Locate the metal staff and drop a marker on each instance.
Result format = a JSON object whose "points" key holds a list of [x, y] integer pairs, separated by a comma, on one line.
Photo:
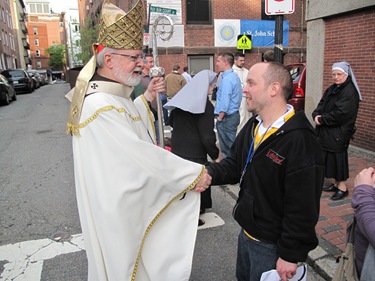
{"points": [[165, 33]]}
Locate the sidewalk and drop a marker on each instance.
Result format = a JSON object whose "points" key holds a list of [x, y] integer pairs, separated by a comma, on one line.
{"points": [[334, 216]]}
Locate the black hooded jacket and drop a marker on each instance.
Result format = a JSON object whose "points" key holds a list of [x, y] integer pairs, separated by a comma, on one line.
{"points": [[280, 192], [339, 108]]}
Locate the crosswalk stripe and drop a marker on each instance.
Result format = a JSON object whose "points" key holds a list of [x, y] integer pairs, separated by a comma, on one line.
{"points": [[24, 260]]}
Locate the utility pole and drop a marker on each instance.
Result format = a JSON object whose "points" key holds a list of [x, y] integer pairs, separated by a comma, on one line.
{"points": [[278, 48]]}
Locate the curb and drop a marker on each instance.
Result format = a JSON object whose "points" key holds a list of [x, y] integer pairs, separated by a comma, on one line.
{"points": [[319, 259]]}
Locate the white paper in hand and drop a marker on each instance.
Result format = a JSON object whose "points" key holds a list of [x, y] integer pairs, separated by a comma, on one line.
{"points": [[272, 275]]}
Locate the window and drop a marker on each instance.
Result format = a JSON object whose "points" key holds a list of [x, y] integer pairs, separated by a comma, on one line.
{"points": [[36, 42], [3, 14], [38, 64], [39, 8], [45, 8], [37, 53], [11, 40], [198, 63], [198, 12], [35, 30], [32, 8]]}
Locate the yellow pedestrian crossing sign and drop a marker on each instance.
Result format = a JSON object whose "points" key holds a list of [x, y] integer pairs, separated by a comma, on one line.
{"points": [[244, 42]]}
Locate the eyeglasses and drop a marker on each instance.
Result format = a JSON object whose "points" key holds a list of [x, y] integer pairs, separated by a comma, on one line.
{"points": [[137, 58], [337, 74]]}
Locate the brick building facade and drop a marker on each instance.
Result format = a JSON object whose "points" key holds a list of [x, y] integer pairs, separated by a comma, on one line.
{"points": [[341, 31], [198, 50], [8, 46], [320, 32], [44, 31], [199, 39]]}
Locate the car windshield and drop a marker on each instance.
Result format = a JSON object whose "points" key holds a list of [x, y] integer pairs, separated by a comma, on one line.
{"points": [[295, 72]]}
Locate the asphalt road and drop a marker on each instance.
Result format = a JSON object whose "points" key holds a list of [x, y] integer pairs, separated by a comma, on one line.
{"points": [[37, 200]]}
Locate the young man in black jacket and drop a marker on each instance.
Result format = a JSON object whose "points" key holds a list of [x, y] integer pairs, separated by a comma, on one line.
{"points": [[278, 163]]}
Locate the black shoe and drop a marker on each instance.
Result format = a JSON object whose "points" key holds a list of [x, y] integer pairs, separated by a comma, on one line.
{"points": [[331, 188], [201, 222], [340, 194]]}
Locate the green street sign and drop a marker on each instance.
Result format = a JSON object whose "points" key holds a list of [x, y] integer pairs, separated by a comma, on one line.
{"points": [[163, 10]]}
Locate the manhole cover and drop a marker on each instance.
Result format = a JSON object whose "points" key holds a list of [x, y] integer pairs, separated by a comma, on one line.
{"points": [[60, 236]]}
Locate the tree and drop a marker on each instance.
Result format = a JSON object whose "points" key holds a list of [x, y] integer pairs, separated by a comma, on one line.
{"points": [[57, 56], [89, 35]]}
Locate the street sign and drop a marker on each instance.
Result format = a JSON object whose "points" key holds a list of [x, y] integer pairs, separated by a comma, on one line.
{"points": [[163, 10], [244, 42], [279, 7], [146, 39]]}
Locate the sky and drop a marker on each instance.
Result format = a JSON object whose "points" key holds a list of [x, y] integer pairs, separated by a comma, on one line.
{"points": [[58, 6]]}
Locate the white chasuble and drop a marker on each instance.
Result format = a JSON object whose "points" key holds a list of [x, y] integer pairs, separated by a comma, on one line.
{"points": [[136, 223]]}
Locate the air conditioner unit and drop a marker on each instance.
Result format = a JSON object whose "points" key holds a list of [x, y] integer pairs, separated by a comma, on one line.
{"points": [[87, 8]]}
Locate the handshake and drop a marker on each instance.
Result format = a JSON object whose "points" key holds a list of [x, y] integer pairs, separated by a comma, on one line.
{"points": [[204, 182]]}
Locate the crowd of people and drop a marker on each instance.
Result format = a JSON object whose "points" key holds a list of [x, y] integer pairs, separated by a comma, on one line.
{"points": [[141, 225]]}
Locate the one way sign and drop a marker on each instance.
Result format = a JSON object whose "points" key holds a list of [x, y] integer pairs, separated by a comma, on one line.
{"points": [[244, 42]]}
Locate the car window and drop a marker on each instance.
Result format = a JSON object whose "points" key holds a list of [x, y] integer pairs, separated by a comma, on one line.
{"points": [[295, 72], [3, 79], [16, 73]]}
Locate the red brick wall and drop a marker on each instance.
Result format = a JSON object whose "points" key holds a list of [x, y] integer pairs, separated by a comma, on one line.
{"points": [[351, 38], [199, 39]]}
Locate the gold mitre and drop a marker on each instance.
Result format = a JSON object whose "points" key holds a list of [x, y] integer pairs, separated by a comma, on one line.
{"points": [[120, 30]]}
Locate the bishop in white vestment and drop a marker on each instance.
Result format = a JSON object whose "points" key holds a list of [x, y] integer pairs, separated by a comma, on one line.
{"points": [[138, 215]]}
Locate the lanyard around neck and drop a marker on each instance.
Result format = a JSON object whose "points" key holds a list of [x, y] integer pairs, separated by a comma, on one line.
{"points": [[253, 148]]}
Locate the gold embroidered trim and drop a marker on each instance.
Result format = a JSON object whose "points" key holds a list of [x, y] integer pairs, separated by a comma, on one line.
{"points": [[150, 115], [75, 129], [191, 186]]}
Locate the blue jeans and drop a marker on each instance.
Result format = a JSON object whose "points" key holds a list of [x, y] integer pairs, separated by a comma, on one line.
{"points": [[254, 258], [226, 130]]}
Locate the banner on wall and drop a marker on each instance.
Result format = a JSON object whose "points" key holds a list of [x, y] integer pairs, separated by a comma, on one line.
{"points": [[262, 32]]}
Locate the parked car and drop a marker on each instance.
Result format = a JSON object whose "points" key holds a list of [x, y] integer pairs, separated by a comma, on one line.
{"points": [[44, 78], [36, 80], [20, 80], [298, 73], [7, 92]]}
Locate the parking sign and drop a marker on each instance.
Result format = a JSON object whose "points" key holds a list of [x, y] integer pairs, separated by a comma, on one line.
{"points": [[279, 7]]}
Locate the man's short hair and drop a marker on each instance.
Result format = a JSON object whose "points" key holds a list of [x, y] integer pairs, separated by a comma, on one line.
{"points": [[268, 56], [186, 68], [277, 72], [228, 57], [100, 55], [145, 60], [238, 55], [176, 67]]}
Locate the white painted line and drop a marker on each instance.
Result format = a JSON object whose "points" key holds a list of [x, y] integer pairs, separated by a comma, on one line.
{"points": [[24, 260], [211, 220]]}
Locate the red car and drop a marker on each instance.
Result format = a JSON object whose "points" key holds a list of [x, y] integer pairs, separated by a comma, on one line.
{"points": [[298, 73]]}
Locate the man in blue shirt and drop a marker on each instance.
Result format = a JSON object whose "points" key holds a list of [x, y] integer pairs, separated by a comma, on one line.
{"points": [[228, 102]]}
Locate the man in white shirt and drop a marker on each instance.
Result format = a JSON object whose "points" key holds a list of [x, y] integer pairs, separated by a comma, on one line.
{"points": [[241, 71], [186, 74]]}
